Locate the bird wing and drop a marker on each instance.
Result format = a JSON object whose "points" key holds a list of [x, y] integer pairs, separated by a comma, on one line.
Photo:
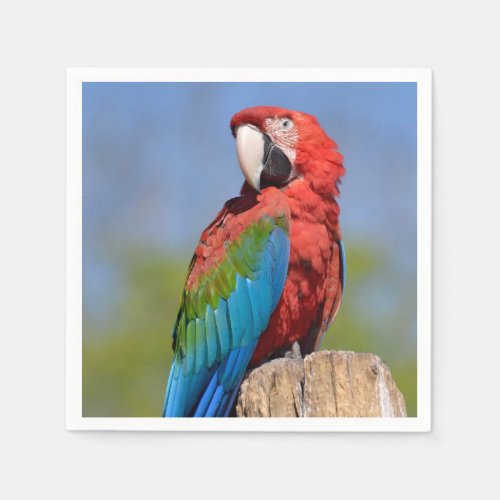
{"points": [[233, 286], [335, 285]]}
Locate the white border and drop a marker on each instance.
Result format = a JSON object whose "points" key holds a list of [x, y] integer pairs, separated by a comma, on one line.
{"points": [[75, 77]]}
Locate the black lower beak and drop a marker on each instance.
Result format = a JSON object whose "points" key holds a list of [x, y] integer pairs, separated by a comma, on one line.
{"points": [[277, 167]]}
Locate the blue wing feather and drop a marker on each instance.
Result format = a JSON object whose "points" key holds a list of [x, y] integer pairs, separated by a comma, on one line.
{"points": [[212, 347], [223, 337], [205, 390], [207, 397]]}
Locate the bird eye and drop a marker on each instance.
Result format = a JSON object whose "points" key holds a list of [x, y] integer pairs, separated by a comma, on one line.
{"points": [[286, 124]]}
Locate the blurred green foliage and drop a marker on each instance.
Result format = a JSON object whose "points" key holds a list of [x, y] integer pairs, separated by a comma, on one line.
{"points": [[359, 328], [126, 364]]}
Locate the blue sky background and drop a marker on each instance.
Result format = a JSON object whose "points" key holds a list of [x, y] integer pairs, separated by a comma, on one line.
{"points": [[159, 162]]}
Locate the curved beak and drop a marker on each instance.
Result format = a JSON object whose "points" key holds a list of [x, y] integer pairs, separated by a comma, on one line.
{"points": [[262, 162], [250, 150]]}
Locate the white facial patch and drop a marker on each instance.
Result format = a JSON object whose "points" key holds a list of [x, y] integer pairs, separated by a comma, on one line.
{"points": [[286, 139]]}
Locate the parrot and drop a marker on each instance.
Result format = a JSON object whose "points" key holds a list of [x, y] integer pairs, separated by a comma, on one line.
{"points": [[269, 271]]}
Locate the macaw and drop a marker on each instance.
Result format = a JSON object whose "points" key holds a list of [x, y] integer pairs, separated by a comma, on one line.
{"points": [[268, 271]]}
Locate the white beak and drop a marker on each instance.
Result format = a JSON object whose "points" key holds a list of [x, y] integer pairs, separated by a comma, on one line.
{"points": [[250, 150]]}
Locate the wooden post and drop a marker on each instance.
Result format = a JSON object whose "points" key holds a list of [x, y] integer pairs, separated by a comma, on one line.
{"points": [[323, 384]]}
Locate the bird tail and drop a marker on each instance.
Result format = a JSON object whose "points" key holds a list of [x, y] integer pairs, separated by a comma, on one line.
{"points": [[209, 393]]}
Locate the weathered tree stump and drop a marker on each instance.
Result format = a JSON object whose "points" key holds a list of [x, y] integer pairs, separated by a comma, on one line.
{"points": [[323, 384]]}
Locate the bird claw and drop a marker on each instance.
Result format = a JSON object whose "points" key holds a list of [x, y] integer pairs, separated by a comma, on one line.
{"points": [[288, 352], [294, 352]]}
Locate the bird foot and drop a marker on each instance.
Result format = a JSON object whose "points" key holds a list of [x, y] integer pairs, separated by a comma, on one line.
{"points": [[294, 353], [290, 352]]}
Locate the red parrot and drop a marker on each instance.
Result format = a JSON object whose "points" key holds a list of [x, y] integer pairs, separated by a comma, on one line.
{"points": [[269, 270]]}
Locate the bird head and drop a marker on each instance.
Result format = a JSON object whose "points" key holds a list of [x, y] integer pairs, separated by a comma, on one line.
{"points": [[277, 146]]}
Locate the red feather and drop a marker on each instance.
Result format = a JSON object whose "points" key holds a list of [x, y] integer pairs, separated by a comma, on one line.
{"points": [[313, 289]]}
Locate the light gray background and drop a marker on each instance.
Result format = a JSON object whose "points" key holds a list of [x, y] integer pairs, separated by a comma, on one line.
{"points": [[39, 40]]}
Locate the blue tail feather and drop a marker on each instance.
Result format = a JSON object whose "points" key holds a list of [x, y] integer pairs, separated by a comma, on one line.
{"points": [[207, 397], [215, 402]]}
